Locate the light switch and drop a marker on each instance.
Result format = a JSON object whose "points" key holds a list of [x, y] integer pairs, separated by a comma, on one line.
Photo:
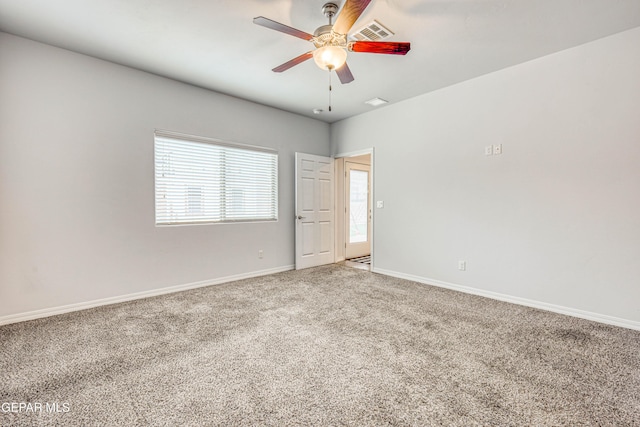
{"points": [[380, 204]]}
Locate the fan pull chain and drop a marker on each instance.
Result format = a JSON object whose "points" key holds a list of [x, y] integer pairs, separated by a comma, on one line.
{"points": [[329, 90]]}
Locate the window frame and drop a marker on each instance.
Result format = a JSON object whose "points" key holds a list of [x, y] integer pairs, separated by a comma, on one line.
{"points": [[164, 134]]}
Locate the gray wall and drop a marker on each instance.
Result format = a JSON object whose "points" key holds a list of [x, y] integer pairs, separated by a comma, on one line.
{"points": [[77, 180], [555, 219]]}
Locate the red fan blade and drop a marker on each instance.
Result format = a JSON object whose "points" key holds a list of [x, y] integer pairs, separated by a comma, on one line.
{"points": [[293, 62], [392, 48], [350, 13], [265, 22], [344, 74]]}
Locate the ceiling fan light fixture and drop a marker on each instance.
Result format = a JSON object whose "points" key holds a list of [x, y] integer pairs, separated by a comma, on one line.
{"points": [[330, 57]]}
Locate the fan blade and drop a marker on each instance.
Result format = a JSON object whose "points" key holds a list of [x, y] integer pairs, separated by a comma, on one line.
{"points": [[265, 22], [392, 48], [350, 13], [344, 74], [293, 62]]}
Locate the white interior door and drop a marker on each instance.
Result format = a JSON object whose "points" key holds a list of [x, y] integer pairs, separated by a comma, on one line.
{"points": [[358, 210], [314, 211]]}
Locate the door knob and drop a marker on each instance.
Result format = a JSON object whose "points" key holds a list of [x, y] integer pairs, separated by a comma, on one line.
{"points": [[300, 217]]}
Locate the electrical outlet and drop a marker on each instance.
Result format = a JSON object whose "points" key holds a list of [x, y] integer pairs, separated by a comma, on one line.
{"points": [[380, 204], [488, 150], [462, 265], [260, 253], [497, 149]]}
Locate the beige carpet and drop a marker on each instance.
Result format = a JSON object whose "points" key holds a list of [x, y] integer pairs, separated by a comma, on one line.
{"points": [[324, 346]]}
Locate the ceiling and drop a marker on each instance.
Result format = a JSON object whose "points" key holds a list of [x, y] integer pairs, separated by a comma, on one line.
{"points": [[215, 45]]}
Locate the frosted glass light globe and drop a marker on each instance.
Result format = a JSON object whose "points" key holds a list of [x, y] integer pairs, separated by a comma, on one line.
{"points": [[330, 57]]}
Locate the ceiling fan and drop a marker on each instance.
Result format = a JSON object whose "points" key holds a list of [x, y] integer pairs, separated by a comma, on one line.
{"points": [[330, 41]]}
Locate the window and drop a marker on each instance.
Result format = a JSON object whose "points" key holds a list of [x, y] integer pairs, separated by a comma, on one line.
{"points": [[201, 180]]}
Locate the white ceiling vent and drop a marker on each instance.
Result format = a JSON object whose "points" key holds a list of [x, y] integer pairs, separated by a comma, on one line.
{"points": [[372, 32], [376, 102]]}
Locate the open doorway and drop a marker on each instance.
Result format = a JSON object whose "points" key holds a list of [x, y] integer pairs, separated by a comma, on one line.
{"points": [[354, 214]]}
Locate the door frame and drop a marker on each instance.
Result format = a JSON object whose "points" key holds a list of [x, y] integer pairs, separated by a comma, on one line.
{"points": [[346, 154]]}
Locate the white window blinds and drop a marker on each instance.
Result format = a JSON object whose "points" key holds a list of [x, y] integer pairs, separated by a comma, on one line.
{"points": [[202, 180]]}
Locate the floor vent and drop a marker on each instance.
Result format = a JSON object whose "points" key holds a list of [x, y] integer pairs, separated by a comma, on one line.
{"points": [[372, 32]]}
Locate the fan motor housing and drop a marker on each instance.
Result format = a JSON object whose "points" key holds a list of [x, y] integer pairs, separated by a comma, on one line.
{"points": [[320, 31], [325, 36]]}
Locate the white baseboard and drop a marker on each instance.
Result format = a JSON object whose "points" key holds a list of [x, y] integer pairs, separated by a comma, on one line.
{"points": [[596, 317], [46, 312]]}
